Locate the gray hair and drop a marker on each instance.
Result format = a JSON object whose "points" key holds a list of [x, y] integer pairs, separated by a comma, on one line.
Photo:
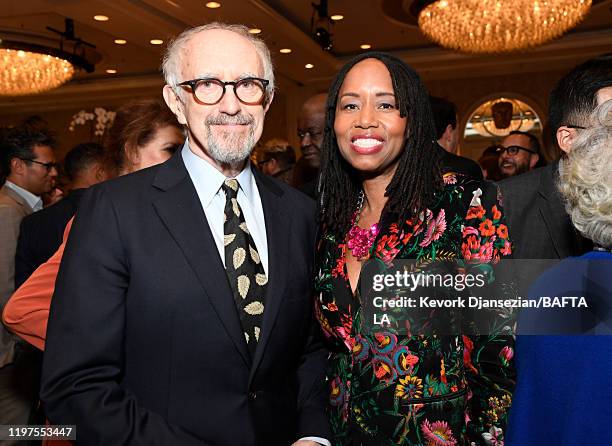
{"points": [[585, 178], [172, 57]]}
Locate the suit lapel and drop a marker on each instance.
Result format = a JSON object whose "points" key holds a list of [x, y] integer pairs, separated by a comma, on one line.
{"points": [[278, 228], [181, 211]]}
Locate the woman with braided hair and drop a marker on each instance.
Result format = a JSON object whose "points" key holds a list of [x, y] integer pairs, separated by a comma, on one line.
{"points": [[384, 201]]}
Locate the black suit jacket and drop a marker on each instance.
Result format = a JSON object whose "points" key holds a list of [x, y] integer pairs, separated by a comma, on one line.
{"points": [[144, 344], [538, 224], [449, 162], [41, 233]]}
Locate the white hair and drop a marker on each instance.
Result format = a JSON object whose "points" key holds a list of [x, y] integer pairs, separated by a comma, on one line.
{"points": [[585, 178], [174, 52]]}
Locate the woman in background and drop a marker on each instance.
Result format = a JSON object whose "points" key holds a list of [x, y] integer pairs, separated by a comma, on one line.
{"points": [[144, 133]]}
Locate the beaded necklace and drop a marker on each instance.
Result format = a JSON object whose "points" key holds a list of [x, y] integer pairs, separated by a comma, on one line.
{"points": [[359, 240]]}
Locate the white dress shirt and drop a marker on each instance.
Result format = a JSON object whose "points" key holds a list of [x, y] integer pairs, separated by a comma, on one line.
{"points": [[34, 201], [207, 181]]}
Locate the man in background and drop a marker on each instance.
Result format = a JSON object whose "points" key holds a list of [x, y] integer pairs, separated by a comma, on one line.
{"points": [[41, 233], [28, 162], [519, 153], [538, 224], [311, 126], [447, 135], [277, 159]]}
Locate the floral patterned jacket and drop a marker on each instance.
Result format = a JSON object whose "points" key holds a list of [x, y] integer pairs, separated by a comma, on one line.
{"points": [[389, 387]]}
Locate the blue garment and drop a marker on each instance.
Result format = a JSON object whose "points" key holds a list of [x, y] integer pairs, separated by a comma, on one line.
{"points": [[563, 394]]}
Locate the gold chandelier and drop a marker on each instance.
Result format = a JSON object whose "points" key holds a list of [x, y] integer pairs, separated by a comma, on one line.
{"points": [[27, 72], [28, 65], [499, 26]]}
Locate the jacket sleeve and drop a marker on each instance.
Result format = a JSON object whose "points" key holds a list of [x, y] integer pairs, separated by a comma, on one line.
{"points": [[312, 396], [84, 357], [27, 312], [9, 230]]}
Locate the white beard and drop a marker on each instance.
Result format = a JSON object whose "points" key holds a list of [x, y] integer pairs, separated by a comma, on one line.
{"points": [[230, 147]]}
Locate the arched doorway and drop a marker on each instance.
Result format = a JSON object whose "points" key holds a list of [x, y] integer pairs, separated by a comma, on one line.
{"points": [[493, 118]]}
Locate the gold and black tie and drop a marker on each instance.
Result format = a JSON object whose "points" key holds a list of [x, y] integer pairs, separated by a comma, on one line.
{"points": [[243, 265]]}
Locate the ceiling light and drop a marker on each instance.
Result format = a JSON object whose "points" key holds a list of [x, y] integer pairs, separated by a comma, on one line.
{"points": [[156, 41], [309, 66], [254, 30], [213, 5], [31, 72], [101, 18], [120, 41], [34, 68], [365, 46], [484, 26], [285, 50], [337, 17], [111, 71]]}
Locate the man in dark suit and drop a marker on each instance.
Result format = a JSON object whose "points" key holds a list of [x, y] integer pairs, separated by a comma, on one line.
{"points": [[311, 126], [539, 226], [447, 134], [183, 308], [41, 233]]}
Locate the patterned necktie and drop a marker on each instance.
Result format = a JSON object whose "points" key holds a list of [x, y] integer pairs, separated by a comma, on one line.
{"points": [[243, 266]]}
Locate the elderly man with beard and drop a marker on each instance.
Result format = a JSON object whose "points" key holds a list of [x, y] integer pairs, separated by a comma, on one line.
{"points": [[183, 308]]}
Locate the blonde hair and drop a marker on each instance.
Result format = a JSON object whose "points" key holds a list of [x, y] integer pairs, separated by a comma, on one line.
{"points": [[585, 178]]}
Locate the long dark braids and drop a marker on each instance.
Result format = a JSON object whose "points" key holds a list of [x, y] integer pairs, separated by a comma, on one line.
{"points": [[417, 177]]}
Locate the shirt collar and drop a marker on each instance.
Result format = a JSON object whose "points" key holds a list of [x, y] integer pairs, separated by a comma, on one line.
{"points": [[34, 201], [208, 180]]}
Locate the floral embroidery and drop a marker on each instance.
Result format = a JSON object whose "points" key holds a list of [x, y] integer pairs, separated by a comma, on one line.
{"points": [[494, 437], [361, 348], [384, 342], [486, 228], [438, 433], [383, 368], [404, 360], [386, 249], [337, 392], [502, 231], [377, 376], [475, 212], [449, 178], [339, 271], [506, 354], [435, 229], [409, 387]]}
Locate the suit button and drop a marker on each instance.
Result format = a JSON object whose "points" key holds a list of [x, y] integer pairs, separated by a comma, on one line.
{"points": [[252, 395]]}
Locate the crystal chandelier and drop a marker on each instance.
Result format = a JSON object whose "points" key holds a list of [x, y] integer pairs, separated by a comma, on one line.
{"points": [[26, 72], [31, 68], [499, 26]]}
